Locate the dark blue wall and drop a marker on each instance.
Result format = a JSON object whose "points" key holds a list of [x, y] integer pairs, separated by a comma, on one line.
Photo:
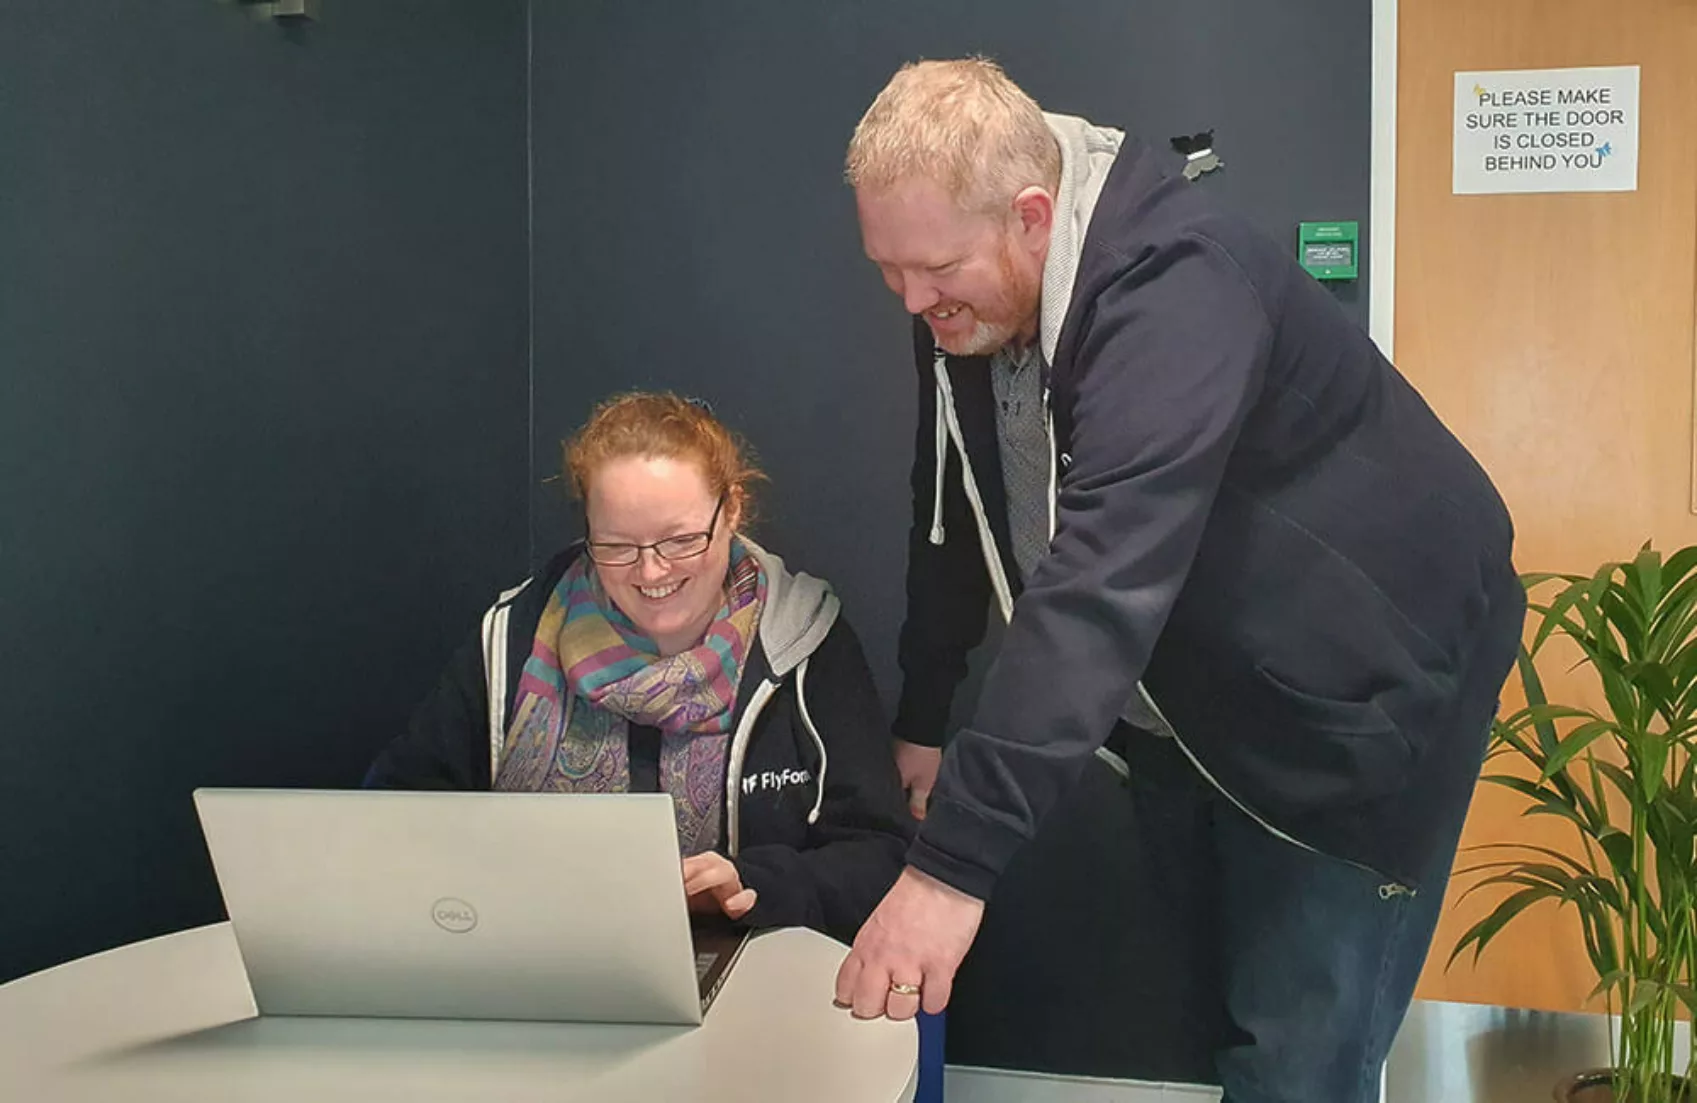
{"points": [[262, 407]]}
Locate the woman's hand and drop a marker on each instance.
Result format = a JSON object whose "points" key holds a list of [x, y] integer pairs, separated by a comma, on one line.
{"points": [[712, 884]]}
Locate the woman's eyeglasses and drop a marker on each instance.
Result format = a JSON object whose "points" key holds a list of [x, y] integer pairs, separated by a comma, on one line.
{"points": [[684, 546]]}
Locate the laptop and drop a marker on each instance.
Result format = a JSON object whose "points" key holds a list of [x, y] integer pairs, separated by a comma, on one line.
{"points": [[452, 905]]}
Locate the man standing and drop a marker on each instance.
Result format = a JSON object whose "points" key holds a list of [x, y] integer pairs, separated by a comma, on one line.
{"points": [[1229, 539]]}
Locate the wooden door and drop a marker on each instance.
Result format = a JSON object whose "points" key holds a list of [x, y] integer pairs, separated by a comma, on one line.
{"points": [[1554, 333]]}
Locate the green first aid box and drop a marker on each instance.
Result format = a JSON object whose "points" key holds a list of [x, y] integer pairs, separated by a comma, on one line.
{"points": [[1329, 250]]}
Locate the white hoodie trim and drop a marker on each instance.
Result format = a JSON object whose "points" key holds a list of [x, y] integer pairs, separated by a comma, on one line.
{"points": [[1087, 154], [986, 537], [494, 632], [734, 760]]}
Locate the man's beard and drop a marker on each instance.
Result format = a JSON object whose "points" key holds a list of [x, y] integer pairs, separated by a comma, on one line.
{"points": [[985, 338], [1017, 305]]}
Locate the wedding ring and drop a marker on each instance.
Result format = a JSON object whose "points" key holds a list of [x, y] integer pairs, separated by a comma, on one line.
{"points": [[904, 989]]}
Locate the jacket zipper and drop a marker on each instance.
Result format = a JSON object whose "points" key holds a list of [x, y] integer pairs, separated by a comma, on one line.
{"points": [[1388, 887]]}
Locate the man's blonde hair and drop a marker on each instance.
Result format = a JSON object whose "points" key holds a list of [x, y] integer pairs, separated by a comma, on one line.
{"points": [[961, 123]]}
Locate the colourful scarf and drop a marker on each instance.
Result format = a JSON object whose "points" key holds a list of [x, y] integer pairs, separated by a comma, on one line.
{"points": [[591, 675]]}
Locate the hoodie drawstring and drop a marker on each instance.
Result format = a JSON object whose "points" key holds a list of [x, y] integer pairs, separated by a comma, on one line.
{"points": [[807, 722], [940, 439], [986, 539]]}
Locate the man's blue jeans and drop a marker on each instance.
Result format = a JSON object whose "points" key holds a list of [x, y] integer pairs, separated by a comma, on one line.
{"points": [[1318, 957], [1320, 960]]}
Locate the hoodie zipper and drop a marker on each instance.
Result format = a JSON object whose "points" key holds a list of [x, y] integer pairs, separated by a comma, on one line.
{"points": [[733, 766], [739, 752]]}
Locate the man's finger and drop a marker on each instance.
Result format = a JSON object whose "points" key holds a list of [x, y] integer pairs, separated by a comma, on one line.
{"points": [[848, 975], [871, 991], [901, 1006], [935, 991], [917, 799]]}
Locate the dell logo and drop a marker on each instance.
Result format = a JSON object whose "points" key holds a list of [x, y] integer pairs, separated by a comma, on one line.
{"points": [[453, 915]]}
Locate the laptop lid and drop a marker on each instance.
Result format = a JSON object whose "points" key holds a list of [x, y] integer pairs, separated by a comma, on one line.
{"points": [[458, 905]]}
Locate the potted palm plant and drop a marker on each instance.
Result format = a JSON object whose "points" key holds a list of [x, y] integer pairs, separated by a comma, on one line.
{"points": [[1623, 775]]}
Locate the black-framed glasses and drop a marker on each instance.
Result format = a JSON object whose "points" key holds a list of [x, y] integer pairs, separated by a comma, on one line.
{"points": [[686, 545]]}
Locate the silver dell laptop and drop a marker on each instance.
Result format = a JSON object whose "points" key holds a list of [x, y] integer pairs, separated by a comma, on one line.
{"points": [[537, 906]]}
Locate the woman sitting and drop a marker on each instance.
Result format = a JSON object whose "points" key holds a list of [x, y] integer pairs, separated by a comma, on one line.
{"points": [[669, 653]]}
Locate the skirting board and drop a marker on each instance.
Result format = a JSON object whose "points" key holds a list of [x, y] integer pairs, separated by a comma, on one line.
{"points": [[964, 1084]]}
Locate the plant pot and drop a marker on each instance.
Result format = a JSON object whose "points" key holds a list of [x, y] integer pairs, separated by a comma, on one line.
{"points": [[1597, 1086]]}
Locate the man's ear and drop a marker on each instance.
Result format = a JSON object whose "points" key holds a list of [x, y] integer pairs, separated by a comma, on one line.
{"points": [[1034, 212]]}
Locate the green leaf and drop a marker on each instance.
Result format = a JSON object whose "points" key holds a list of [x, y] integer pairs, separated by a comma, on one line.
{"points": [[1518, 879], [1618, 778], [1531, 580], [1535, 873], [1672, 626], [1535, 715], [1535, 697], [1579, 596], [1617, 845], [1654, 760], [1677, 566], [1608, 981], [1643, 580], [1481, 933], [1574, 742], [1655, 683], [1594, 808], [1508, 731], [1546, 801], [1591, 605], [1599, 941], [1617, 688], [1608, 957], [1566, 860], [1682, 668], [1510, 739], [1626, 622], [1645, 993]]}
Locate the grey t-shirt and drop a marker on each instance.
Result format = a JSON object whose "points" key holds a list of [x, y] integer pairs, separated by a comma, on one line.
{"points": [[1022, 430]]}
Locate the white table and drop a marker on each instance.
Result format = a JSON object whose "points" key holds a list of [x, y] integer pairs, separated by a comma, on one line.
{"points": [[172, 1019]]}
